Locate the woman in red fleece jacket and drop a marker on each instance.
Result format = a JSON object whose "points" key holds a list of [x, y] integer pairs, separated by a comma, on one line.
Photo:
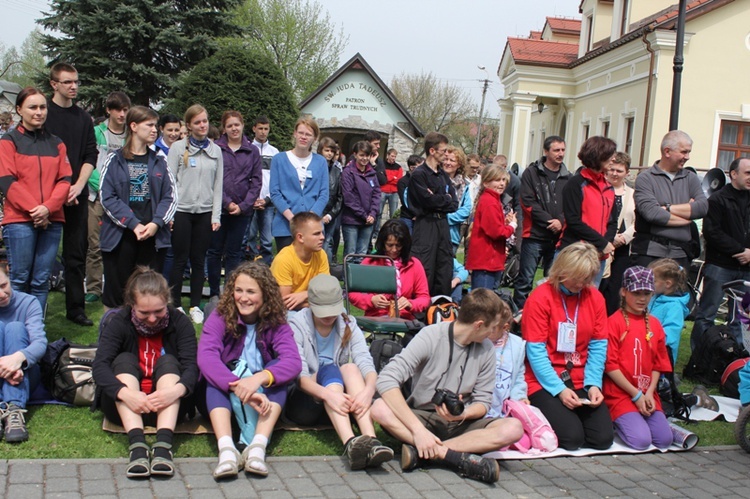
{"points": [[490, 230], [394, 241], [35, 179], [588, 201]]}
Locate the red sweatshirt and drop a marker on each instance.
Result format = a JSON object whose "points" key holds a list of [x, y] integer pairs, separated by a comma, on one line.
{"points": [[34, 170], [488, 234]]}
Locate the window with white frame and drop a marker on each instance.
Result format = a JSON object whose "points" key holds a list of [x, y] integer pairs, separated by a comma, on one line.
{"points": [[734, 142]]}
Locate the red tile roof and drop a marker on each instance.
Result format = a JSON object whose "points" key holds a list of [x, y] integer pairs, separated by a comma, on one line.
{"points": [[543, 52], [564, 24], [674, 13], [535, 35]]}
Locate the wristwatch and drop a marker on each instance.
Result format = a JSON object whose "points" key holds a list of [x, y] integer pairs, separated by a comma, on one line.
{"points": [[668, 207]]}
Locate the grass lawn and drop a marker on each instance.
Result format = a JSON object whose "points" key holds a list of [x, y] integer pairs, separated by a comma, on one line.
{"points": [[63, 432]]}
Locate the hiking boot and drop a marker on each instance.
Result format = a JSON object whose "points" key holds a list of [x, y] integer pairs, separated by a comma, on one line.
{"points": [[357, 450], [479, 468], [378, 454], [704, 399], [409, 457], [15, 424]]}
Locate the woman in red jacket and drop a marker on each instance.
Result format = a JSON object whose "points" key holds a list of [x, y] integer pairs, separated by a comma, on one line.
{"points": [[35, 179], [394, 241], [490, 230]]}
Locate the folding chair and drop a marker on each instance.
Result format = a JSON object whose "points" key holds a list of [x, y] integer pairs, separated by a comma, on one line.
{"points": [[374, 279]]}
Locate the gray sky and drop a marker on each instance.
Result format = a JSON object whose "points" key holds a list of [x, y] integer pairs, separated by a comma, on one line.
{"points": [[450, 38]]}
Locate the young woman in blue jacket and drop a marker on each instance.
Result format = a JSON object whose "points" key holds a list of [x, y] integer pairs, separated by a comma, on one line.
{"points": [[138, 197], [299, 181]]}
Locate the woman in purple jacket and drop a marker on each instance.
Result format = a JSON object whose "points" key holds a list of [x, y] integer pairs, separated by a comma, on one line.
{"points": [[249, 324], [242, 182], [361, 189]]}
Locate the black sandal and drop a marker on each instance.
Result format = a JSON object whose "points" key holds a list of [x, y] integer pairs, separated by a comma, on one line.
{"points": [[162, 466], [138, 468]]}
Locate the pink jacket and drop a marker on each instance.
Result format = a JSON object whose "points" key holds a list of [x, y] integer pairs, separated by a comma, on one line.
{"points": [[413, 287]]}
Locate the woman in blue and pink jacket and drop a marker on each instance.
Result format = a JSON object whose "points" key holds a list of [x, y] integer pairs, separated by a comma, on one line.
{"points": [[359, 183]]}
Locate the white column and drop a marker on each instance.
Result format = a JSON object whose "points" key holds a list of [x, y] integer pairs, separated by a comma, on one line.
{"points": [[519, 139], [570, 129], [506, 123]]}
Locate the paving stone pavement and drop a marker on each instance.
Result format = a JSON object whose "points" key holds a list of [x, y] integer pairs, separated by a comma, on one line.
{"points": [[703, 473]]}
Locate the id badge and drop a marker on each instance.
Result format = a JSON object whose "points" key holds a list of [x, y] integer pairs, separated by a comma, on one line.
{"points": [[193, 162], [308, 174], [566, 337]]}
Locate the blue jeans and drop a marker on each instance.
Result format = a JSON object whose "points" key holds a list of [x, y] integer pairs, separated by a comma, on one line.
{"points": [[14, 337], [260, 226], [31, 254], [356, 238], [409, 224], [331, 229], [226, 243], [393, 202], [532, 252], [713, 278], [486, 279]]}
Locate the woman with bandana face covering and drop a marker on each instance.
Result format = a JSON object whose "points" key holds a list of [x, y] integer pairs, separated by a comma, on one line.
{"points": [[145, 370], [565, 327]]}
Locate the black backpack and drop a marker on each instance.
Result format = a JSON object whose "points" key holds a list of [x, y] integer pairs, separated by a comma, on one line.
{"points": [[713, 352]]}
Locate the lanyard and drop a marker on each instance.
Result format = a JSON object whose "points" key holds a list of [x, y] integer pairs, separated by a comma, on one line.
{"points": [[565, 307]]}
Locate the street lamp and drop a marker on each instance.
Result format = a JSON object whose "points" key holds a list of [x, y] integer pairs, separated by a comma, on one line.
{"points": [[481, 109]]}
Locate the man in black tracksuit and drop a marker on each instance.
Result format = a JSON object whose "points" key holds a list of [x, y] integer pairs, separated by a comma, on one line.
{"points": [[431, 197]]}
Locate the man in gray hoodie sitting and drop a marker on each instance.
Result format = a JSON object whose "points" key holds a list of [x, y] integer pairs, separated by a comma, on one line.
{"points": [[452, 368]]}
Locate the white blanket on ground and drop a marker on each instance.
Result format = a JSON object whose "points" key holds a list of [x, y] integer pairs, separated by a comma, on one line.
{"points": [[729, 409]]}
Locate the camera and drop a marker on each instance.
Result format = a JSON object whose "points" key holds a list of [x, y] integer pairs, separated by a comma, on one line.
{"points": [[454, 404]]}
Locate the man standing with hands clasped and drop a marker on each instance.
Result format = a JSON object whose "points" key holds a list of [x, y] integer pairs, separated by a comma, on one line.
{"points": [[73, 125]]}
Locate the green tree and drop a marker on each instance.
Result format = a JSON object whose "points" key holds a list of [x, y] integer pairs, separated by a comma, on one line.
{"points": [[235, 78], [136, 46], [27, 67], [298, 35], [436, 106]]}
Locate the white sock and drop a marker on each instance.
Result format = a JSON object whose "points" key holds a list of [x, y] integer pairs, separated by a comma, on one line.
{"points": [[259, 452], [227, 455]]}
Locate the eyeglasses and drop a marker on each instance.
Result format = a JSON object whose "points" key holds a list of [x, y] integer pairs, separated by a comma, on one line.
{"points": [[69, 82]]}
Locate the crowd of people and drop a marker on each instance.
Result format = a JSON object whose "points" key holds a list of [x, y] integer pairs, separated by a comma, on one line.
{"points": [[143, 202]]}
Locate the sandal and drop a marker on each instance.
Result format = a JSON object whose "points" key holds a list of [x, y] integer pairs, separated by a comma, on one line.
{"points": [[250, 460], [162, 466], [138, 468], [233, 466]]}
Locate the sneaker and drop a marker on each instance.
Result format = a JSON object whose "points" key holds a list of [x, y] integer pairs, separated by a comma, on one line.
{"points": [[357, 450], [196, 314], [15, 424], [704, 399], [479, 468], [378, 454], [409, 457], [91, 298]]}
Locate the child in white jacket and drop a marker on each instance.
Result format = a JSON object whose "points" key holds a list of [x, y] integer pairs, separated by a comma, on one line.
{"points": [[510, 351]]}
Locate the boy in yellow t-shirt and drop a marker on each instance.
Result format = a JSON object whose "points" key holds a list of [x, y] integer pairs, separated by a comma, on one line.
{"points": [[296, 264]]}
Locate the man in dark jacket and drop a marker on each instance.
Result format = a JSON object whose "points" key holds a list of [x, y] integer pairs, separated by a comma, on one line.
{"points": [[431, 197], [405, 214], [541, 201], [73, 125], [726, 230]]}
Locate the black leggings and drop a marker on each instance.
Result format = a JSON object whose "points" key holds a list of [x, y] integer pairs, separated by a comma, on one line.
{"points": [[589, 426], [121, 262], [191, 236], [127, 363]]}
